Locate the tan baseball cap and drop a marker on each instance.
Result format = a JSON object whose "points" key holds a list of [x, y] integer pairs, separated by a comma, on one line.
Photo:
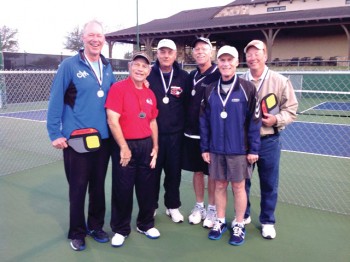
{"points": [[141, 55], [257, 44]]}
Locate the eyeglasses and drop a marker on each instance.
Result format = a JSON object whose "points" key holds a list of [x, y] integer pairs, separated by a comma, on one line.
{"points": [[203, 49]]}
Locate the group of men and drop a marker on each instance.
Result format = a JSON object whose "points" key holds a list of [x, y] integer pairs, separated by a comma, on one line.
{"points": [[163, 119]]}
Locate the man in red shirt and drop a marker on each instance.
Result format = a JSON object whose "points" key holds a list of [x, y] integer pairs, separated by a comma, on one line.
{"points": [[131, 112]]}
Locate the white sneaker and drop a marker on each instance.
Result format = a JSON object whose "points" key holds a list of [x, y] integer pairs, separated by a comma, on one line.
{"points": [[268, 231], [151, 233], [246, 221], [210, 218], [198, 214], [117, 240], [175, 215]]}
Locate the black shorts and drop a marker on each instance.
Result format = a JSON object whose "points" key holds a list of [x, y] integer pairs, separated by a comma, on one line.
{"points": [[192, 156]]}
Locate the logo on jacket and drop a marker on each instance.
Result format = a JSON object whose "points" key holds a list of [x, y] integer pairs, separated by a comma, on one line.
{"points": [[176, 91], [82, 74], [149, 101]]}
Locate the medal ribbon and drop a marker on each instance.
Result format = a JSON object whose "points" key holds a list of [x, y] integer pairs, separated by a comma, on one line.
{"points": [[166, 88], [99, 79], [202, 78], [262, 81], [228, 94]]}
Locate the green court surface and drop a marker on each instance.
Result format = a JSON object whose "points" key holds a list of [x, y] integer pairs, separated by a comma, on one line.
{"points": [[34, 224]]}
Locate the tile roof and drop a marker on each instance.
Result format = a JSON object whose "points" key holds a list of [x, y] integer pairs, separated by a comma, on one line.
{"points": [[203, 20]]}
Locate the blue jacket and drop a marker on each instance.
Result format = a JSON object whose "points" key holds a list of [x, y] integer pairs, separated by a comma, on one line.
{"points": [[74, 102], [239, 133]]}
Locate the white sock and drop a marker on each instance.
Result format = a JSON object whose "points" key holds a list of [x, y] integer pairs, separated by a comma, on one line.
{"points": [[201, 204], [222, 220], [212, 207]]}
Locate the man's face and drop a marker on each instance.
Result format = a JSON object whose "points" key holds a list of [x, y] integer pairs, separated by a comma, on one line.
{"points": [[139, 69], [93, 39], [202, 53], [227, 65], [166, 56], [256, 58]]}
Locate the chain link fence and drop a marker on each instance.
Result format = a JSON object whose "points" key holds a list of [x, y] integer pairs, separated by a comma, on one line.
{"points": [[315, 161]]}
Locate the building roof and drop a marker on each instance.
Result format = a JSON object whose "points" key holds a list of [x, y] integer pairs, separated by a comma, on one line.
{"points": [[203, 21]]}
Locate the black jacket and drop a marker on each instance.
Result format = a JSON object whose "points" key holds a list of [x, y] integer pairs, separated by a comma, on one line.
{"points": [[171, 115]]}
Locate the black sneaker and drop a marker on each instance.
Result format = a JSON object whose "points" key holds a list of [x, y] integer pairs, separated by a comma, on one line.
{"points": [[218, 229], [237, 235], [77, 244], [99, 235]]}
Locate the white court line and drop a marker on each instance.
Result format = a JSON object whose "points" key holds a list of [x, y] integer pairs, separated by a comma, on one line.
{"points": [[25, 119], [307, 153], [312, 108], [320, 123]]}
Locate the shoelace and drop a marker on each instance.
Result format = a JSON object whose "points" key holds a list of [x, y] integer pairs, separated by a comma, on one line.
{"points": [[237, 231], [211, 214], [217, 226], [197, 209]]}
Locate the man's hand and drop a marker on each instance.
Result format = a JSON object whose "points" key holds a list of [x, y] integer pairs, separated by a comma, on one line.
{"points": [[60, 143], [154, 154], [206, 157], [252, 158], [125, 155], [269, 120]]}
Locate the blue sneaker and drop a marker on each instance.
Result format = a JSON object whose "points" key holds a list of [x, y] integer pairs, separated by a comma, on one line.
{"points": [[218, 229], [77, 244], [237, 235], [99, 235]]}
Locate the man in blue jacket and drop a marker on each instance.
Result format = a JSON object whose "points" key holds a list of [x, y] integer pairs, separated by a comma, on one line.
{"points": [[230, 121], [77, 100]]}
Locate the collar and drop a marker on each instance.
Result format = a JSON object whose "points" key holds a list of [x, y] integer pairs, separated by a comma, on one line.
{"points": [[263, 75]]}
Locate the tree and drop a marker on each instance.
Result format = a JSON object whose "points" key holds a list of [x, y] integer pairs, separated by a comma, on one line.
{"points": [[74, 41], [8, 37], [128, 55]]}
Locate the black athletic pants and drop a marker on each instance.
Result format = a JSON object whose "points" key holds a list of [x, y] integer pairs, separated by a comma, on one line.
{"points": [[86, 171]]}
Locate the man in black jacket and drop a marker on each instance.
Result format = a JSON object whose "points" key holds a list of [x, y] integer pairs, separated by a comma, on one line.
{"points": [[167, 80]]}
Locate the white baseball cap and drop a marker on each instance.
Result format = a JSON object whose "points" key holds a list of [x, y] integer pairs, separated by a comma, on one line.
{"points": [[166, 43], [226, 49]]}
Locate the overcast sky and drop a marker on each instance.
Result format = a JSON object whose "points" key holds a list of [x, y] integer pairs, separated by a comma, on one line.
{"points": [[42, 25]]}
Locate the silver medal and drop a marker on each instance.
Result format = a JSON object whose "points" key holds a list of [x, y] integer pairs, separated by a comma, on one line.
{"points": [[142, 115], [166, 100], [193, 92], [100, 93], [223, 114]]}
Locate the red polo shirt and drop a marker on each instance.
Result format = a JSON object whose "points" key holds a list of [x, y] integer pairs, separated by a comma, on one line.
{"points": [[128, 101]]}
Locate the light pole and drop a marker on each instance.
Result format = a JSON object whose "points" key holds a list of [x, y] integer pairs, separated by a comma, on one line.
{"points": [[137, 26]]}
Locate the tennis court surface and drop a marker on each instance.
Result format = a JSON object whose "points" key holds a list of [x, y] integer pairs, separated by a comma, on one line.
{"points": [[313, 214], [34, 223]]}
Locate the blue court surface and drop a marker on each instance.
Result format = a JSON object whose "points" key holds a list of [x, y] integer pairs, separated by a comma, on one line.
{"points": [[315, 138], [34, 115], [336, 106]]}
